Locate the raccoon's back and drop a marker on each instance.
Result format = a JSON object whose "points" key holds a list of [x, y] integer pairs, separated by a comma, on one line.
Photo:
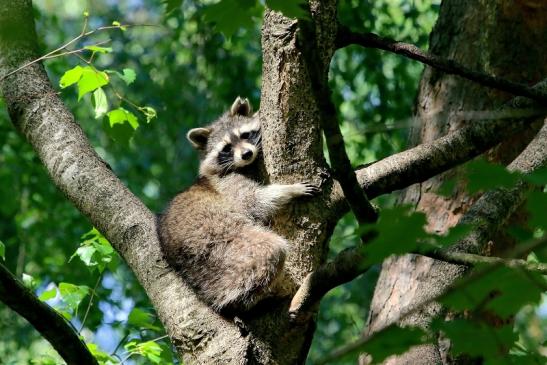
{"points": [[196, 224]]}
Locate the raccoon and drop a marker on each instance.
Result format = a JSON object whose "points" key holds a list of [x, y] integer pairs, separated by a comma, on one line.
{"points": [[215, 233]]}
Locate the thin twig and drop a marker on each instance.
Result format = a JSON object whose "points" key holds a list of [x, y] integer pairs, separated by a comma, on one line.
{"points": [[83, 34], [90, 302], [346, 37]]}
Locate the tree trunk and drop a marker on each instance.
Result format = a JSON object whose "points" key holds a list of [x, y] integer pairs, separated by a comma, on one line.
{"points": [[292, 152], [504, 38]]}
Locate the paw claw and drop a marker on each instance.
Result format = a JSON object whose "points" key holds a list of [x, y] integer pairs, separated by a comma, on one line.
{"points": [[310, 189]]}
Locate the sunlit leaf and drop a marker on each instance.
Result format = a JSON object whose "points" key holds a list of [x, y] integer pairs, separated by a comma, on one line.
{"points": [[72, 294], [91, 80], [100, 102], [95, 251], [48, 294], [141, 319], [120, 116], [99, 354], [71, 76], [149, 113], [99, 49], [29, 281], [150, 350], [128, 75], [119, 25]]}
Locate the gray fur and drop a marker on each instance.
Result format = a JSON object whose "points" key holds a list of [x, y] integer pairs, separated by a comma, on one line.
{"points": [[215, 231]]}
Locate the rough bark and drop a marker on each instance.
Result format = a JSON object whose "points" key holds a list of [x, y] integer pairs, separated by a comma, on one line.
{"points": [[289, 116], [292, 152], [488, 35]]}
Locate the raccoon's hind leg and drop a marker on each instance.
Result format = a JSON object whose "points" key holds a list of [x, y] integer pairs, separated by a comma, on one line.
{"points": [[249, 264]]}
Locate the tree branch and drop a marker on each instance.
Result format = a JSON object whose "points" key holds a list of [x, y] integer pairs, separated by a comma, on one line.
{"points": [[87, 181], [469, 259], [346, 37], [424, 161], [487, 214], [346, 266], [340, 163], [517, 252], [55, 329]]}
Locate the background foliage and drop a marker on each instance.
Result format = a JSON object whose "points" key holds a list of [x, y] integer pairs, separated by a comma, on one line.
{"points": [[188, 72]]}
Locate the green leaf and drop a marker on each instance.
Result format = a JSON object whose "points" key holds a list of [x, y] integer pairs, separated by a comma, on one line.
{"points": [[128, 75], [73, 294], [149, 113], [119, 25], [393, 340], [101, 103], [29, 281], [48, 294], [454, 235], [290, 8], [45, 360], [91, 79], [2, 250], [538, 177], [503, 291], [230, 15], [488, 342], [142, 319], [120, 116], [121, 125], [536, 205], [95, 251], [99, 49], [100, 355], [150, 349], [483, 175], [70, 77], [85, 253], [172, 5], [389, 241]]}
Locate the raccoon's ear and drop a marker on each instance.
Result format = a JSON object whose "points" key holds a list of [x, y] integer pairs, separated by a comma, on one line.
{"points": [[198, 137], [241, 107]]}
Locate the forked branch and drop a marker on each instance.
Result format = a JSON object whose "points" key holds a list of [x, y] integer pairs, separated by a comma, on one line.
{"points": [[488, 214], [424, 161]]}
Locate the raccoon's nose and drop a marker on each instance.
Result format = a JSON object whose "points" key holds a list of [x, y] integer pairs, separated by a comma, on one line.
{"points": [[246, 155]]}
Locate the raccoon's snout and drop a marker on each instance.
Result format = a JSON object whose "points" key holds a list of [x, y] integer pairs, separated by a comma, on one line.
{"points": [[246, 154]]}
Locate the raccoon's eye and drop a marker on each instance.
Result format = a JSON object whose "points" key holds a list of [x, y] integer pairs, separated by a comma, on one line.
{"points": [[227, 148], [245, 135]]}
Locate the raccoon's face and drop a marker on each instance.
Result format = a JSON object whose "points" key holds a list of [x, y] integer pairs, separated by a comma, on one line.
{"points": [[230, 143]]}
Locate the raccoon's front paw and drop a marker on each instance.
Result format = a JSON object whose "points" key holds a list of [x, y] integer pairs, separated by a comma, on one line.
{"points": [[306, 189]]}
